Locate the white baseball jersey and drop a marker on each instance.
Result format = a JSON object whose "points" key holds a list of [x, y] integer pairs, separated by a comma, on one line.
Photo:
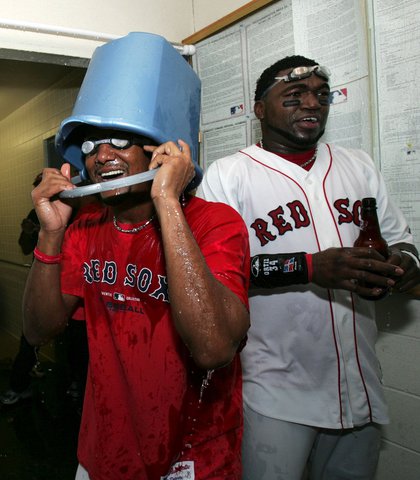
{"points": [[310, 356]]}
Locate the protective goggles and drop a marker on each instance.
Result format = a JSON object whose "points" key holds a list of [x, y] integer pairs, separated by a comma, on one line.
{"points": [[89, 147], [299, 73]]}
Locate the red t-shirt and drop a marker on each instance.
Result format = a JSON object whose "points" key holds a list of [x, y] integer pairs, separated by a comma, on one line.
{"points": [[146, 405]]}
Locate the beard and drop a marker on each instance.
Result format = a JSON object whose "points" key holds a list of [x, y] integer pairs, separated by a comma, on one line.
{"points": [[305, 143]]}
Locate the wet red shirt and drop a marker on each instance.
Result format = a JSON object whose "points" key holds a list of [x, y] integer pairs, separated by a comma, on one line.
{"points": [[147, 406]]}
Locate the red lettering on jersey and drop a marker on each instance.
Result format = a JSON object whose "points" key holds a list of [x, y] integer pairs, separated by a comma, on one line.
{"points": [[345, 216], [299, 214], [279, 222], [261, 230], [301, 218], [357, 206]]}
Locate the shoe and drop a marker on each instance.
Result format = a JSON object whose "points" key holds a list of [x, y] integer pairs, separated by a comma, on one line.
{"points": [[10, 397]]}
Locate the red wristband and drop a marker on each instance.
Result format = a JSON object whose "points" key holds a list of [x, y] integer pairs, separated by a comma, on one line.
{"points": [[49, 259], [308, 257]]}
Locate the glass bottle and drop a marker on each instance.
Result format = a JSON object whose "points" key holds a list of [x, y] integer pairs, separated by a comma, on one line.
{"points": [[370, 235]]}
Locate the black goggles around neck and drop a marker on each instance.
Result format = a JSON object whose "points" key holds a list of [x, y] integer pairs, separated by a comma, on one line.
{"points": [[89, 147]]}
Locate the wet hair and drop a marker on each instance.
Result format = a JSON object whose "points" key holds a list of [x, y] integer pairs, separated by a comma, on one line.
{"points": [[267, 77]]}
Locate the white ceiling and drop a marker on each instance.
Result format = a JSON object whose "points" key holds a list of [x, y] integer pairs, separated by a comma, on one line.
{"points": [[22, 80]]}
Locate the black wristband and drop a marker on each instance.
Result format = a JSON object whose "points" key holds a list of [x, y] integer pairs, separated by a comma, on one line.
{"points": [[279, 270]]}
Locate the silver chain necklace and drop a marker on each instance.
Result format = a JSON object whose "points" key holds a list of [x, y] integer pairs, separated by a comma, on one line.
{"points": [[305, 164], [312, 159], [135, 229]]}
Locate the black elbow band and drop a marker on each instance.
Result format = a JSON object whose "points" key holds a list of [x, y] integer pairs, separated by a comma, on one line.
{"points": [[278, 270]]}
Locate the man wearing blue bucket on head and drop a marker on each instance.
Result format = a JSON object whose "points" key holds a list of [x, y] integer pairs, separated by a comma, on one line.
{"points": [[163, 275]]}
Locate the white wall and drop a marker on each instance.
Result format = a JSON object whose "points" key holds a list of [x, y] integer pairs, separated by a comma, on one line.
{"points": [[206, 12], [172, 19], [398, 349]]}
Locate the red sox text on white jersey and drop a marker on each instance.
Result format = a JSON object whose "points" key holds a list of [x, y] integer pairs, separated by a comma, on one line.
{"points": [[296, 216]]}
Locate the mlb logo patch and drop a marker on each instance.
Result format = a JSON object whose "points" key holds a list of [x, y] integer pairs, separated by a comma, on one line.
{"points": [[119, 296], [237, 109], [181, 471]]}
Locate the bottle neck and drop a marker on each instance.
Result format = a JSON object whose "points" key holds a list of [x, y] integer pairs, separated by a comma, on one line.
{"points": [[370, 232], [369, 219]]}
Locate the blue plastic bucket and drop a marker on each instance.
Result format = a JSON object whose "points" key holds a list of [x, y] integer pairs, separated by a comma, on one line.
{"points": [[138, 83]]}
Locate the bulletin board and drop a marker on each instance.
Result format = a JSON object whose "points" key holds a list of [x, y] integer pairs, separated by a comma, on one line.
{"points": [[372, 49]]}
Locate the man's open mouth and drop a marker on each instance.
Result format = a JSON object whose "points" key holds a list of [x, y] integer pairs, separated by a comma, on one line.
{"points": [[111, 174], [309, 119]]}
